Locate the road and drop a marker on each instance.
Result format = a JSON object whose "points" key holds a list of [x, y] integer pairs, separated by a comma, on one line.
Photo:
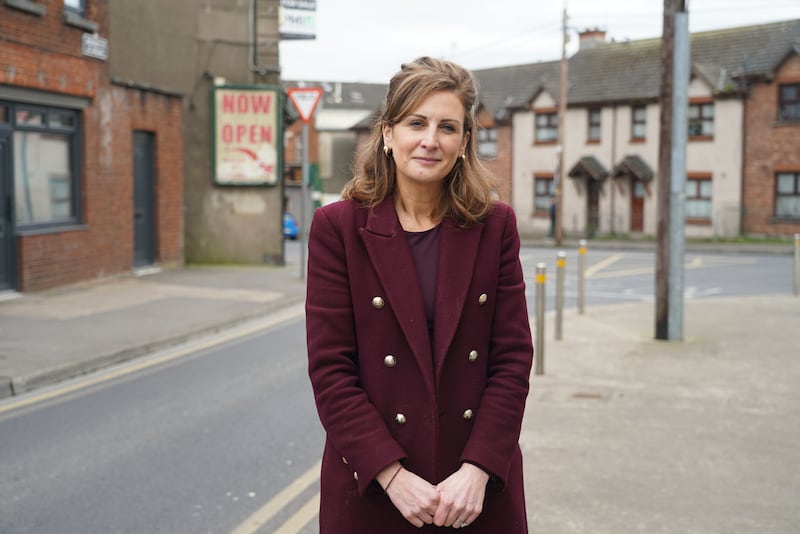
{"points": [[226, 440]]}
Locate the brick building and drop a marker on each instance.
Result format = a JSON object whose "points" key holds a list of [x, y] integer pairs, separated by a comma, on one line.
{"points": [[772, 147], [91, 170]]}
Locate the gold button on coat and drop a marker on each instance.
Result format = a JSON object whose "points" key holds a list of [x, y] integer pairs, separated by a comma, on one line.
{"points": [[473, 355], [344, 460], [400, 418], [483, 298], [377, 302], [355, 475], [389, 360], [467, 414]]}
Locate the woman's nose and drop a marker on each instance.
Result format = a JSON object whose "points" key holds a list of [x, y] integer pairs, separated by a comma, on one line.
{"points": [[430, 138]]}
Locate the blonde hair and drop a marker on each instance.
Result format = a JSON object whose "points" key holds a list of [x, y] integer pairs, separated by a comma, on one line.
{"points": [[467, 194]]}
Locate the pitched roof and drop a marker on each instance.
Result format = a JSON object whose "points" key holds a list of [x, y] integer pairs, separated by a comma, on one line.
{"points": [[633, 165], [501, 89], [588, 167], [342, 95]]}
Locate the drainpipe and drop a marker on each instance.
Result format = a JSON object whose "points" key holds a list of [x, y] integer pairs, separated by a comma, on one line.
{"points": [[613, 160]]}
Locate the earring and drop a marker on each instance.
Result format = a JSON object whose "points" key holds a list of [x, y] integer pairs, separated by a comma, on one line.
{"points": [[387, 151], [464, 157]]}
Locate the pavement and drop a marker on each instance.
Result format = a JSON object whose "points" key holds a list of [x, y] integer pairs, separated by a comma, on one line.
{"points": [[622, 434]]}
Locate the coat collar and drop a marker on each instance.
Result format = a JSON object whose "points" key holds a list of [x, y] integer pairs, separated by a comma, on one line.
{"points": [[391, 257]]}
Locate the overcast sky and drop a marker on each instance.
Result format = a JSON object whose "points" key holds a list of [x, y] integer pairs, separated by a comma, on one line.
{"points": [[367, 40]]}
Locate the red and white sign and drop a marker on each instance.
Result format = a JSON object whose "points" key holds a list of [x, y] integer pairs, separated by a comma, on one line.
{"points": [[305, 100]]}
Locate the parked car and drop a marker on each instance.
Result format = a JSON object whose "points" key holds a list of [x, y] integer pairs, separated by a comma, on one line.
{"points": [[290, 227]]}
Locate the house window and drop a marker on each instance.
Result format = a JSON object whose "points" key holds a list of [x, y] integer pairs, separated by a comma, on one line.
{"points": [[487, 142], [77, 7], [698, 199], [701, 119], [789, 102], [787, 195], [638, 123], [544, 188], [593, 131], [546, 127], [46, 175]]}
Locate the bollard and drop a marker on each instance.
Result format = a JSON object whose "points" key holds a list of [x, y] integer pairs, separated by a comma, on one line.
{"points": [[796, 264], [561, 263], [538, 350], [581, 278]]}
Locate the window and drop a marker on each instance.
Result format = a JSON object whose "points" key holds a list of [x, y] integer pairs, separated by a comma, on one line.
{"points": [[546, 127], [787, 195], [593, 131], [698, 199], [487, 142], [638, 123], [544, 189], [789, 102], [46, 183], [77, 7], [701, 119]]}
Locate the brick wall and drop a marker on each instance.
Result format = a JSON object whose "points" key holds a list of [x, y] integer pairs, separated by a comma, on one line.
{"points": [[44, 53], [769, 147]]}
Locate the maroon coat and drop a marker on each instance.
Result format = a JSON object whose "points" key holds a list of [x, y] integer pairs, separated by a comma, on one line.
{"points": [[384, 392]]}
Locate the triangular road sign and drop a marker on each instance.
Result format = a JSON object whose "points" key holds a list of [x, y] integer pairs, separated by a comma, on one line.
{"points": [[305, 100]]}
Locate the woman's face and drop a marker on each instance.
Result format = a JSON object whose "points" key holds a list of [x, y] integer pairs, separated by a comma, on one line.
{"points": [[426, 143]]}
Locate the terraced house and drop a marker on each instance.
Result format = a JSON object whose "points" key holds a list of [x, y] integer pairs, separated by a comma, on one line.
{"points": [[743, 155]]}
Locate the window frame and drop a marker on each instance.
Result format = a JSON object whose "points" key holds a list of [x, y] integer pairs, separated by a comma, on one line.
{"points": [[593, 126], [79, 11], [700, 105], [487, 137], [74, 135], [795, 193], [638, 122], [698, 179], [550, 116], [795, 103], [543, 177]]}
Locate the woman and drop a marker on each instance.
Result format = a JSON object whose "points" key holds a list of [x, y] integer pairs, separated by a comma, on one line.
{"points": [[419, 345]]}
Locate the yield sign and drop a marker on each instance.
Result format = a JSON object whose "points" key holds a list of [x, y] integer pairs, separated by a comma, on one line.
{"points": [[305, 100]]}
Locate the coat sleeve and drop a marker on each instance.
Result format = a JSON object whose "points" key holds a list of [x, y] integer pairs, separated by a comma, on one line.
{"points": [[353, 425], [495, 436]]}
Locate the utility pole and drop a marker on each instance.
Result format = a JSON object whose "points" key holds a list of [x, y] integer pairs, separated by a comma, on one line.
{"points": [[562, 119], [670, 227]]}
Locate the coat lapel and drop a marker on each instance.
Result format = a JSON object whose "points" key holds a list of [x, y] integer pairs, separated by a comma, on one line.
{"points": [[390, 255], [458, 250]]}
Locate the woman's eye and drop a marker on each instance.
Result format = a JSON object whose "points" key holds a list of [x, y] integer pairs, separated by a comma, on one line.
{"points": [[415, 124], [448, 128]]}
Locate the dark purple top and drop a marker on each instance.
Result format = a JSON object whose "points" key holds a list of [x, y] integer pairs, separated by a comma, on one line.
{"points": [[425, 250]]}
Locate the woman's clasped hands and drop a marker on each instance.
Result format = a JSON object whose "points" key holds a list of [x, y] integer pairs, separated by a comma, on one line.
{"points": [[455, 502]]}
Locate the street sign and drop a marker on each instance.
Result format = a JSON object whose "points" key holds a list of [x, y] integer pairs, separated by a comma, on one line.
{"points": [[305, 100]]}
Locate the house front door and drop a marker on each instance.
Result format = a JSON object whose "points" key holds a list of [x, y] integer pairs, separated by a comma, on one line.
{"points": [[637, 205], [592, 206], [7, 251]]}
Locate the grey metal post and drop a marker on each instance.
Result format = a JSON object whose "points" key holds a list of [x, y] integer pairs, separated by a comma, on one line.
{"points": [[561, 263], [581, 278], [538, 350], [796, 265], [680, 132], [303, 201]]}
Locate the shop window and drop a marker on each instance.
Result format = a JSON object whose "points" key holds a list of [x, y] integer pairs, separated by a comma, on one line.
{"points": [[789, 102], [487, 143], [544, 189], [787, 195], [593, 126], [45, 148], [701, 120], [546, 127], [638, 123], [698, 199]]}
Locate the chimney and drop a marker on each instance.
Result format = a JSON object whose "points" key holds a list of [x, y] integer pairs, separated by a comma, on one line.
{"points": [[591, 38]]}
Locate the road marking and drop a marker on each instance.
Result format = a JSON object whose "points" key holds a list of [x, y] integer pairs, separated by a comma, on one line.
{"points": [[301, 518], [279, 501], [140, 364], [602, 264]]}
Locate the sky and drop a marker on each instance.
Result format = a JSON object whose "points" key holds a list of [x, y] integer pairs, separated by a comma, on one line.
{"points": [[368, 40]]}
